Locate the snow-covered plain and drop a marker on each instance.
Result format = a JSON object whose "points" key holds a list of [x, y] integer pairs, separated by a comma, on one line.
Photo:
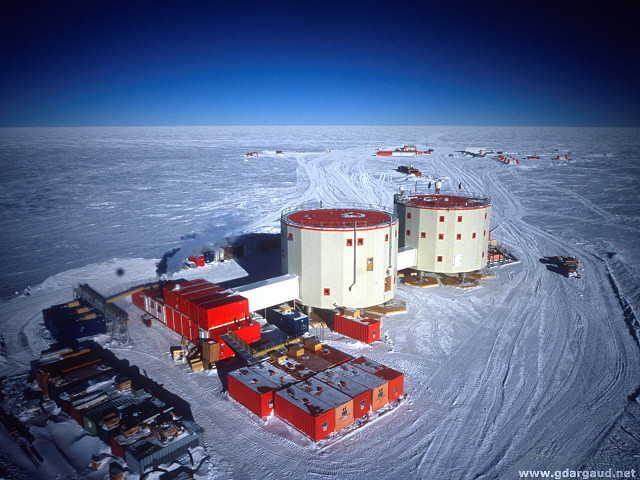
{"points": [[531, 371]]}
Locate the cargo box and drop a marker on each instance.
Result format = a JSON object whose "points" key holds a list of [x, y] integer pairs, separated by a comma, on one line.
{"points": [[252, 390], [291, 321], [395, 378], [364, 329], [310, 415]]}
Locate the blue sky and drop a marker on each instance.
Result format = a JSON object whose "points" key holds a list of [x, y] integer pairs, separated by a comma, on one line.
{"points": [[319, 63]]}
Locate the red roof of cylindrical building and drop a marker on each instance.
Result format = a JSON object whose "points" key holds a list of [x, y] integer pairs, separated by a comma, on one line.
{"points": [[445, 202], [339, 218]]}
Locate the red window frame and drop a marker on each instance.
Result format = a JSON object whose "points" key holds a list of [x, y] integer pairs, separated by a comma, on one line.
{"points": [[459, 218], [440, 258], [473, 235], [361, 241], [386, 237], [290, 237], [327, 292], [442, 218], [458, 236], [408, 214], [423, 234], [349, 242], [408, 233], [441, 236]]}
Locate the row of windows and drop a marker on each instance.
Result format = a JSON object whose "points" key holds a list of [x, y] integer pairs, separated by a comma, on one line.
{"points": [[442, 217], [360, 241], [441, 235], [327, 291]]}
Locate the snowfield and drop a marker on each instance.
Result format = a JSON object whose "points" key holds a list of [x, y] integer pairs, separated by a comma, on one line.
{"points": [[532, 371]]}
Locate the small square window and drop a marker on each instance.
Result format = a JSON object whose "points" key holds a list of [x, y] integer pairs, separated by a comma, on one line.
{"points": [[349, 242], [380, 393], [458, 236], [473, 235], [408, 233], [361, 241], [327, 291], [442, 218], [270, 403], [459, 218], [386, 237], [408, 214], [374, 333], [441, 236], [484, 234], [325, 425], [485, 215], [290, 237], [423, 234], [362, 403], [439, 258], [482, 254]]}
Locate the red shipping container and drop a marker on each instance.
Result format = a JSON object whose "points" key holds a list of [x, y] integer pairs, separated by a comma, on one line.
{"points": [[360, 394], [341, 404], [138, 299], [307, 414], [168, 312], [395, 378], [378, 387], [184, 297], [171, 292], [252, 390], [365, 329], [223, 311], [189, 329], [195, 303], [199, 260]]}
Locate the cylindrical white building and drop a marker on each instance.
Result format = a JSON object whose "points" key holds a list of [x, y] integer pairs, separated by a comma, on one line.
{"points": [[342, 256], [449, 232]]}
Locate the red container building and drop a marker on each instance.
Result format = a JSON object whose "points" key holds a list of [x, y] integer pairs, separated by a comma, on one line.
{"points": [[198, 308], [198, 260], [360, 394], [395, 378], [365, 329], [342, 404], [254, 387], [252, 390], [306, 413], [220, 312], [378, 387]]}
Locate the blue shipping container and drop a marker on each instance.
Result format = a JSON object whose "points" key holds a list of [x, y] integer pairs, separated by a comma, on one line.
{"points": [[74, 328], [291, 322]]}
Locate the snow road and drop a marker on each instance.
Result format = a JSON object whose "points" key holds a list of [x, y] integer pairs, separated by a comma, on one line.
{"points": [[531, 371]]}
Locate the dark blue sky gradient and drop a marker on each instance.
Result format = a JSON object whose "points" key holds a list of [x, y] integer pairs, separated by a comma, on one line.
{"points": [[314, 62]]}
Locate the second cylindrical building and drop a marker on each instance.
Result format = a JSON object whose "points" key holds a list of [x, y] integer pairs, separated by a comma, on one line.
{"points": [[449, 232]]}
